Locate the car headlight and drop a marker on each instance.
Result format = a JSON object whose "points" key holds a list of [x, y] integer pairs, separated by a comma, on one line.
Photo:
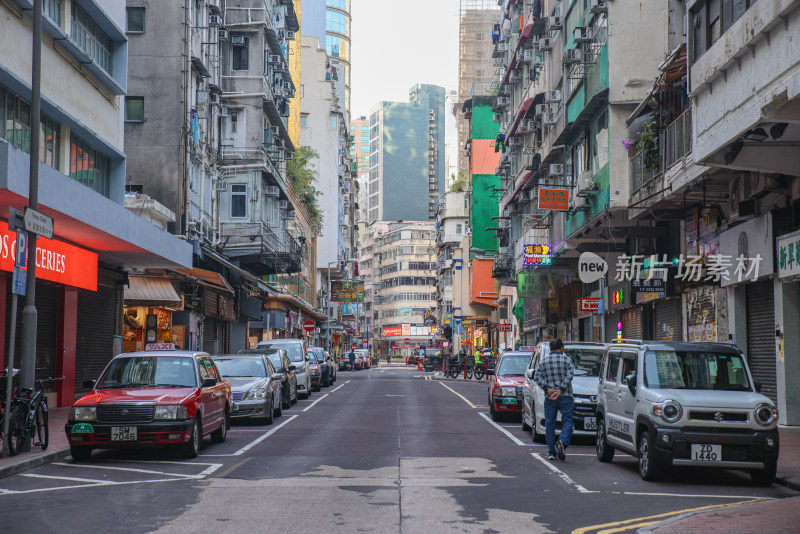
{"points": [[256, 394], [670, 411], [170, 411], [765, 414], [83, 413], [508, 392]]}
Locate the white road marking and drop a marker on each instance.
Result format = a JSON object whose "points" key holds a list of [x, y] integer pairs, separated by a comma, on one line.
{"points": [[130, 469], [646, 494], [388, 395], [339, 387], [126, 483], [262, 438], [313, 403], [561, 474], [508, 434], [71, 479]]}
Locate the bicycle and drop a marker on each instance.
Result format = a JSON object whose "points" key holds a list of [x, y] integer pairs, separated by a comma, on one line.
{"points": [[29, 417], [452, 367], [12, 449]]}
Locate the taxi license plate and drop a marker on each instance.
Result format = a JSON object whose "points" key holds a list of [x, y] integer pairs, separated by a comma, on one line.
{"points": [[509, 401], [589, 423], [707, 453], [123, 433]]}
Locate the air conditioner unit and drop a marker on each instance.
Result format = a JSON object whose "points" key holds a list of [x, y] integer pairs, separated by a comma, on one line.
{"points": [[214, 20], [502, 47], [222, 186], [468, 231], [506, 88], [554, 23], [545, 43], [548, 118], [530, 125], [541, 109], [237, 40], [504, 223], [515, 76], [497, 62], [582, 34], [275, 59], [222, 35], [291, 215], [580, 204], [527, 54], [224, 111], [283, 204], [585, 186], [496, 117], [289, 156], [598, 6], [502, 100], [556, 169], [552, 97], [272, 191], [515, 141], [573, 55], [275, 130], [290, 35]]}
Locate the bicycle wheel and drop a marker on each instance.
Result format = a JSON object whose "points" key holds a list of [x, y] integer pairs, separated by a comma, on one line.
{"points": [[42, 430], [479, 373], [453, 372], [16, 430], [469, 373]]}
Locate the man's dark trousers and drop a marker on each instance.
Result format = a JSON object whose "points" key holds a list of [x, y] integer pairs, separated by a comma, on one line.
{"points": [[565, 405]]}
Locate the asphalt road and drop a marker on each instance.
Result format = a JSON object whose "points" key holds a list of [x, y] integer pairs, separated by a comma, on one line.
{"points": [[383, 450]]}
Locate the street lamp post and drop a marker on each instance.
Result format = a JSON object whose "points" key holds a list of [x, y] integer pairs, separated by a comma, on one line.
{"points": [[328, 310]]}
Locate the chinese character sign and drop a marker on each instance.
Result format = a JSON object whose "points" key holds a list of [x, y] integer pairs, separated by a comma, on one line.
{"points": [[788, 248], [536, 285], [347, 291], [536, 255], [553, 199], [713, 268]]}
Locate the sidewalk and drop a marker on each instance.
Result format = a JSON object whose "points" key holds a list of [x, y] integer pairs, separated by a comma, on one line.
{"points": [[765, 517], [57, 449]]}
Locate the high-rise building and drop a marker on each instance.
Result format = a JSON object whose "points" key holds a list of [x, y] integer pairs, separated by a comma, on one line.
{"points": [[359, 146], [406, 173], [476, 73], [329, 20]]}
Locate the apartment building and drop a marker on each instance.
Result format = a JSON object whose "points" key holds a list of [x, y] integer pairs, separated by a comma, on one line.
{"points": [[330, 21], [452, 225]]}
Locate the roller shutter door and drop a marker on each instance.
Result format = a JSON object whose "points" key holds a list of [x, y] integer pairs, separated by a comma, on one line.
{"points": [[94, 343], [46, 327], [632, 323], [586, 329], [209, 334], [761, 336], [611, 326], [668, 320]]}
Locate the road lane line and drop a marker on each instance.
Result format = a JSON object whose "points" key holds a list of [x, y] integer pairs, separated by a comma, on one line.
{"points": [[561, 474], [131, 469], [262, 438], [631, 522], [508, 434], [313, 403], [71, 479], [339, 387], [459, 395]]}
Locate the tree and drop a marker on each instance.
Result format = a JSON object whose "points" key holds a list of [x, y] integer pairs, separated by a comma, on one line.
{"points": [[460, 183], [303, 178]]}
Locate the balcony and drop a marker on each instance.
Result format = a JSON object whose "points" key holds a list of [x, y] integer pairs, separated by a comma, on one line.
{"points": [[674, 142]]}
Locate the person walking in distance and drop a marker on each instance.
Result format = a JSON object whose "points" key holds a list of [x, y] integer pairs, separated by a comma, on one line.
{"points": [[554, 375]]}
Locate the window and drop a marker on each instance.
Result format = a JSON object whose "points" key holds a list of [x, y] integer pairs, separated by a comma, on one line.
{"points": [[365, 129], [303, 121], [365, 148], [352, 129], [134, 109], [710, 19], [241, 55], [15, 120], [135, 20], [458, 229], [334, 123], [52, 8], [365, 139], [88, 166], [234, 120], [612, 366], [49, 142], [91, 38], [238, 201]]}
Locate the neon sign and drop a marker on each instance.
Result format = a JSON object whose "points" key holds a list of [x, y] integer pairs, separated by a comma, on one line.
{"points": [[619, 329], [536, 255], [617, 297]]}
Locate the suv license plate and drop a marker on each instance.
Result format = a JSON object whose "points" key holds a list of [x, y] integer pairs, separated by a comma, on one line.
{"points": [[123, 433], [707, 453], [589, 423]]}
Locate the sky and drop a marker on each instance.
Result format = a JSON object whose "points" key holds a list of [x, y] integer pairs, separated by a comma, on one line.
{"points": [[396, 44]]}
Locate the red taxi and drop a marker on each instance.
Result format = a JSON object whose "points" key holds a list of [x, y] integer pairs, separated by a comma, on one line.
{"points": [[505, 384], [157, 397]]}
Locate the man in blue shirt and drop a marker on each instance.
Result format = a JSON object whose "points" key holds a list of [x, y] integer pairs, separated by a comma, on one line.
{"points": [[554, 375]]}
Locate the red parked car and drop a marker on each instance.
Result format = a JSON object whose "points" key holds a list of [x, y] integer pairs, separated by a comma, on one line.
{"points": [[151, 398], [315, 370], [505, 384]]}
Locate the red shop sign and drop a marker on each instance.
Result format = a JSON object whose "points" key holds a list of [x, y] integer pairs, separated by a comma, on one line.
{"points": [[56, 261]]}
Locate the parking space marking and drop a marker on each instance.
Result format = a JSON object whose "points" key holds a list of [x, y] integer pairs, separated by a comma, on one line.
{"points": [[561, 474], [128, 469], [459, 395], [255, 441], [339, 387], [313, 403], [630, 524], [71, 479]]}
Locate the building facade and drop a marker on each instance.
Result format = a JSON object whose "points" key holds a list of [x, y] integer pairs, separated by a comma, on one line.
{"points": [[330, 20]]}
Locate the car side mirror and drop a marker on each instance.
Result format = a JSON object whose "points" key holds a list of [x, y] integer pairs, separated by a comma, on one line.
{"points": [[630, 380], [530, 373], [292, 368], [490, 372], [757, 384], [277, 376], [88, 383], [209, 382]]}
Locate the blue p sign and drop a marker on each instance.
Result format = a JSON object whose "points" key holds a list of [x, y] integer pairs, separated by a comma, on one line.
{"points": [[21, 257]]}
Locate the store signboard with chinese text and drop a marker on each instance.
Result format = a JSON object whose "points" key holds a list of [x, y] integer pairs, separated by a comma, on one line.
{"points": [[352, 308], [788, 249], [347, 291], [552, 198], [392, 331], [536, 255], [536, 285]]}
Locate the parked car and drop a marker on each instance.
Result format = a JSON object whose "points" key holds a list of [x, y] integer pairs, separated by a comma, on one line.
{"points": [[586, 358], [432, 359], [315, 370], [151, 398], [326, 366], [685, 404], [344, 361], [366, 362], [298, 355], [280, 361], [505, 384], [255, 386]]}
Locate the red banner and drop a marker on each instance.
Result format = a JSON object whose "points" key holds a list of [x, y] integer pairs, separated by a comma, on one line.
{"points": [[393, 331], [56, 261]]}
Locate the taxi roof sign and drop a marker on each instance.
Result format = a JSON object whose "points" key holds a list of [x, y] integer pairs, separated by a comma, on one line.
{"points": [[160, 346]]}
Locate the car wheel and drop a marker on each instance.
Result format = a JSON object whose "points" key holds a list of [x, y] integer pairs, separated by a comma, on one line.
{"points": [[764, 477], [269, 409], [80, 454], [605, 452], [649, 469], [538, 437], [192, 447], [286, 400], [496, 416], [219, 435], [525, 426]]}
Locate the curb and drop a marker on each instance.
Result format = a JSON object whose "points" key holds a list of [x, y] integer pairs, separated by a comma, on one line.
{"points": [[649, 530], [33, 462], [789, 482]]}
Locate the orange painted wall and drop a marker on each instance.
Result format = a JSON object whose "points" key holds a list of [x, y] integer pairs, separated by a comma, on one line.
{"points": [[484, 159], [482, 286]]}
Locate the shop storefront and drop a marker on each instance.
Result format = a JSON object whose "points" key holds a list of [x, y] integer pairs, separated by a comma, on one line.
{"points": [[147, 316], [706, 314]]}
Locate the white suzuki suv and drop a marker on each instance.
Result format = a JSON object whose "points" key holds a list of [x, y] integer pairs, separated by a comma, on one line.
{"points": [[685, 404]]}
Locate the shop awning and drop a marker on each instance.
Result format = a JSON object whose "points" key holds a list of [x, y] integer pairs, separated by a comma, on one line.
{"points": [[208, 278], [150, 291], [519, 186], [523, 109]]}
